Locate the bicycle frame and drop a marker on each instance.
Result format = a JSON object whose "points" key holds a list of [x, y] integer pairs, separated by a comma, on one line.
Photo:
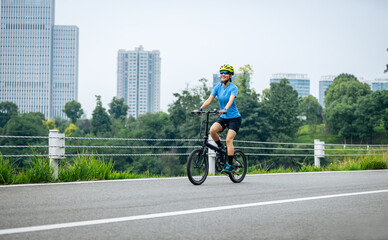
{"points": [[197, 162], [206, 137]]}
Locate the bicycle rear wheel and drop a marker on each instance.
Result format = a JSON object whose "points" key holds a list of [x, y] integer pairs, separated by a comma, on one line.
{"points": [[197, 166], [240, 167]]}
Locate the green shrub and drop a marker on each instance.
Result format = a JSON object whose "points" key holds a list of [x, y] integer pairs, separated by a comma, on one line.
{"points": [[6, 176], [85, 168], [39, 172], [367, 162], [375, 162]]}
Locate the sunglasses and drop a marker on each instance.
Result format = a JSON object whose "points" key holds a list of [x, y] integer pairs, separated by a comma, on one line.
{"points": [[224, 72]]}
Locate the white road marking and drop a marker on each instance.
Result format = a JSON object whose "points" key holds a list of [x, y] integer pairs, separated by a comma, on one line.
{"points": [[177, 213]]}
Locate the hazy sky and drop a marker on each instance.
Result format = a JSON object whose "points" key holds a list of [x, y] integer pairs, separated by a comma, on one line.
{"points": [[196, 37]]}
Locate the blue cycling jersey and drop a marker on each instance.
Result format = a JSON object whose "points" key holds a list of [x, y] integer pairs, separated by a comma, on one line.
{"points": [[223, 94]]}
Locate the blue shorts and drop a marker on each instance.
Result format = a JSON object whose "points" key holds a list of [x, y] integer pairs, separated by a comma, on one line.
{"points": [[233, 123]]}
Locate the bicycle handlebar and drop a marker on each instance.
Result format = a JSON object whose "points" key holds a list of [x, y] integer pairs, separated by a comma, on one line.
{"points": [[215, 111]]}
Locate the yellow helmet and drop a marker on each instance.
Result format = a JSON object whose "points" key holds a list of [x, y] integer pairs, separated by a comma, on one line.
{"points": [[227, 67]]}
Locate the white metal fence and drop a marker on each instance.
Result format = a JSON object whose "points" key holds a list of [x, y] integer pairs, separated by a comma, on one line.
{"points": [[57, 148]]}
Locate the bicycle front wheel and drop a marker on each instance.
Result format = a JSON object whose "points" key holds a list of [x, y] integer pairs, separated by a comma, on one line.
{"points": [[197, 166], [240, 167]]}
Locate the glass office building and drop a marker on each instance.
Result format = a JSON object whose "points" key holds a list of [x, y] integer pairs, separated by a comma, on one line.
{"points": [[138, 80], [38, 60], [379, 84], [299, 82], [324, 83], [64, 85]]}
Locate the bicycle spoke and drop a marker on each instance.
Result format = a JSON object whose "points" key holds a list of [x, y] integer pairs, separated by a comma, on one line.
{"points": [[197, 167], [240, 167]]}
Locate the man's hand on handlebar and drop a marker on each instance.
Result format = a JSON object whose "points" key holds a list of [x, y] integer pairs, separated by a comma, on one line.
{"points": [[196, 111], [200, 111]]}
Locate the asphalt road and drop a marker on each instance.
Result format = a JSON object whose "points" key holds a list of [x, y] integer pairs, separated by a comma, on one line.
{"points": [[329, 205]]}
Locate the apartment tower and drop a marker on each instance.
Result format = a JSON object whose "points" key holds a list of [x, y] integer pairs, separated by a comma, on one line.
{"points": [[138, 80]]}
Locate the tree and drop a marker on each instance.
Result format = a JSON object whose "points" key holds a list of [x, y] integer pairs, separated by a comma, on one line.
{"points": [[345, 89], [242, 81], [117, 108], [27, 124], [73, 110], [366, 116], [50, 124], [380, 100], [100, 119], [84, 125], [341, 105], [255, 125], [70, 130], [312, 110], [282, 107], [150, 125], [7, 110], [185, 124]]}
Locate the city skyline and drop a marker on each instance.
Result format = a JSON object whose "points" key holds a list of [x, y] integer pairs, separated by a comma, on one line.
{"points": [[314, 37], [38, 59]]}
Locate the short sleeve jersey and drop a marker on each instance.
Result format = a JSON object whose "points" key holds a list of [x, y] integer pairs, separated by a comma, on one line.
{"points": [[223, 94]]}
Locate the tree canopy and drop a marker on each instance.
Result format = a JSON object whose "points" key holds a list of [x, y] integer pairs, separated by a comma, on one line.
{"points": [[73, 110], [352, 111], [100, 119], [341, 101], [7, 110], [345, 89], [117, 108], [255, 124], [27, 124], [281, 104]]}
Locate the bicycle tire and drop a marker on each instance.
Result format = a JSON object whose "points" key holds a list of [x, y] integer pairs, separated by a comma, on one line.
{"points": [[240, 167], [197, 167]]}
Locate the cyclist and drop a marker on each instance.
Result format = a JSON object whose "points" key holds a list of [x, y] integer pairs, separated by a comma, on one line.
{"points": [[230, 117]]}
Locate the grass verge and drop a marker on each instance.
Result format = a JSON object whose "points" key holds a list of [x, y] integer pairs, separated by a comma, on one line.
{"points": [[83, 168], [95, 168]]}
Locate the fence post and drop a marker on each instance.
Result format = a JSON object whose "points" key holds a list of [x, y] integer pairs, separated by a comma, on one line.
{"points": [[319, 152], [212, 157], [56, 149]]}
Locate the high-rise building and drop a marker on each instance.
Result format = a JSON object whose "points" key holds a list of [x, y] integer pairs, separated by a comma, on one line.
{"points": [[64, 85], [299, 82], [379, 84], [38, 60], [138, 80], [324, 83]]}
